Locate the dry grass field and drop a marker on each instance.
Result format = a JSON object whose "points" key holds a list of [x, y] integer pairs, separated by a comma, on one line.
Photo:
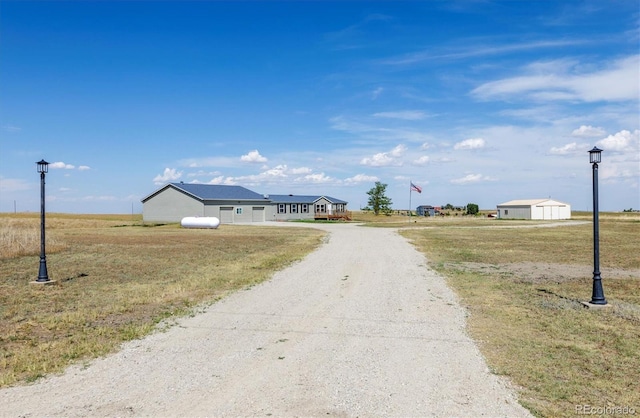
{"points": [[521, 284], [115, 280]]}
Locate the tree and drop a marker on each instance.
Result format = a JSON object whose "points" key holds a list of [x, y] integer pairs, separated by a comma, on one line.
{"points": [[378, 201], [472, 209]]}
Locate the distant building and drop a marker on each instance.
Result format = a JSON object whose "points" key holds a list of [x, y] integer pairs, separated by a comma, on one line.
{"points": [[426, 210], [538, 209]]}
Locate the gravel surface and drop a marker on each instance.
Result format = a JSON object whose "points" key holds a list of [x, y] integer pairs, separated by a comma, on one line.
{"points": [[360, 327]]}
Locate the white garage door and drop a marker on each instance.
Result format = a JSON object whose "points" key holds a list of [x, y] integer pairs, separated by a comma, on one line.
{"points": [[226, 215], [257, 214]]}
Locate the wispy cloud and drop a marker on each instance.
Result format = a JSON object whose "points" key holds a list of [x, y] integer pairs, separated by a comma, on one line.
{"points": [[402, 114], [370, 131], [472, 178], [423, 160], [474, 50], [563, 80], [568, 149], [376, 93], [361, 178], [210, 162], [354, 36], [11, 128], [13, 185], [317, 178]]}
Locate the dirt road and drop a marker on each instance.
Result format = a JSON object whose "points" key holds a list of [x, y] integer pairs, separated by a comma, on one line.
{"points": [[361, 327]]}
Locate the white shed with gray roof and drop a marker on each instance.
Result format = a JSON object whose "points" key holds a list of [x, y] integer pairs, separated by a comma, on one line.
{"points": [[539, 209]]}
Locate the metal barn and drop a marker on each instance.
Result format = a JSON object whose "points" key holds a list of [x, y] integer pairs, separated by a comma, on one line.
{"points": [[537, 209]]}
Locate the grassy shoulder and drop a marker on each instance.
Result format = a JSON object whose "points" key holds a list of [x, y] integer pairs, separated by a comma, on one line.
{"points": [[115, 280], [522, 288]]}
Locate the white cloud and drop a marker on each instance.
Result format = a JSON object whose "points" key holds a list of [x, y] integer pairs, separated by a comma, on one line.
{"points": [[564, 80], [253, 157], [403, 114], [84, 168], [61, 165], [383, 159], [376, 93], [623, 141], [169, 175], [472, 143], [301, 170], [318, 178], [277, 171], [398, 151], [588, 131], [471, 178], [229, 181], [572, 148], [361, 178], [423, 160]]}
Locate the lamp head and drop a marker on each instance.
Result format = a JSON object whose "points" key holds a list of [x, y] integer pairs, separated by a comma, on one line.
{"points": [[43, 166], [595, 155]]}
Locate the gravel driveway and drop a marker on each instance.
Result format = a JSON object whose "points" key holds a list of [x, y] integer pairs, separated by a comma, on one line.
{"points": [[360, 327]]}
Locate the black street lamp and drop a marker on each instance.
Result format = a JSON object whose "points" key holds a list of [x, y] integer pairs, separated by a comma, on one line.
{"points": [[43, 276], [597, 296]]}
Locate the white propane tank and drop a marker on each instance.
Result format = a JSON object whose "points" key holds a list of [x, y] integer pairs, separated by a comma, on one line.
{"points": [[210, 222]]}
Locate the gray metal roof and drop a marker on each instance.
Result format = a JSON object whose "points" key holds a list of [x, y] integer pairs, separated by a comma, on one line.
{"points": [[218, 191], [224, 192], [211, 192], [287, 198]]}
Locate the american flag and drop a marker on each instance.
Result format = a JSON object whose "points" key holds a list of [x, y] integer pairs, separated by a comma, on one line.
{"points": [[416, 188]]}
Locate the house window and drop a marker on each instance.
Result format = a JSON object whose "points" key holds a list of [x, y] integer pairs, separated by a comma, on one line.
{"points": [[321, 208], [305, 208], [238, 211], [282, 208], [294, 208], [506, 211]]}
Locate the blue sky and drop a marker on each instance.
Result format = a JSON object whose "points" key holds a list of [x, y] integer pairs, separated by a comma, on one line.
{"points": [[474, 101]]}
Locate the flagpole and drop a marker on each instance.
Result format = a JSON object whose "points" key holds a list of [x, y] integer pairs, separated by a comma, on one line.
{"points": [[410, 190]]}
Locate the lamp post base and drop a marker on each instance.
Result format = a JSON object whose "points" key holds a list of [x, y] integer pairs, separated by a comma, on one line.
{"points": [[48, 282], [594, 305]]}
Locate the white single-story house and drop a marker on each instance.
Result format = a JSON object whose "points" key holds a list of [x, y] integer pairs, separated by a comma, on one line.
{"points": [[230, 204], [534, 209]]}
